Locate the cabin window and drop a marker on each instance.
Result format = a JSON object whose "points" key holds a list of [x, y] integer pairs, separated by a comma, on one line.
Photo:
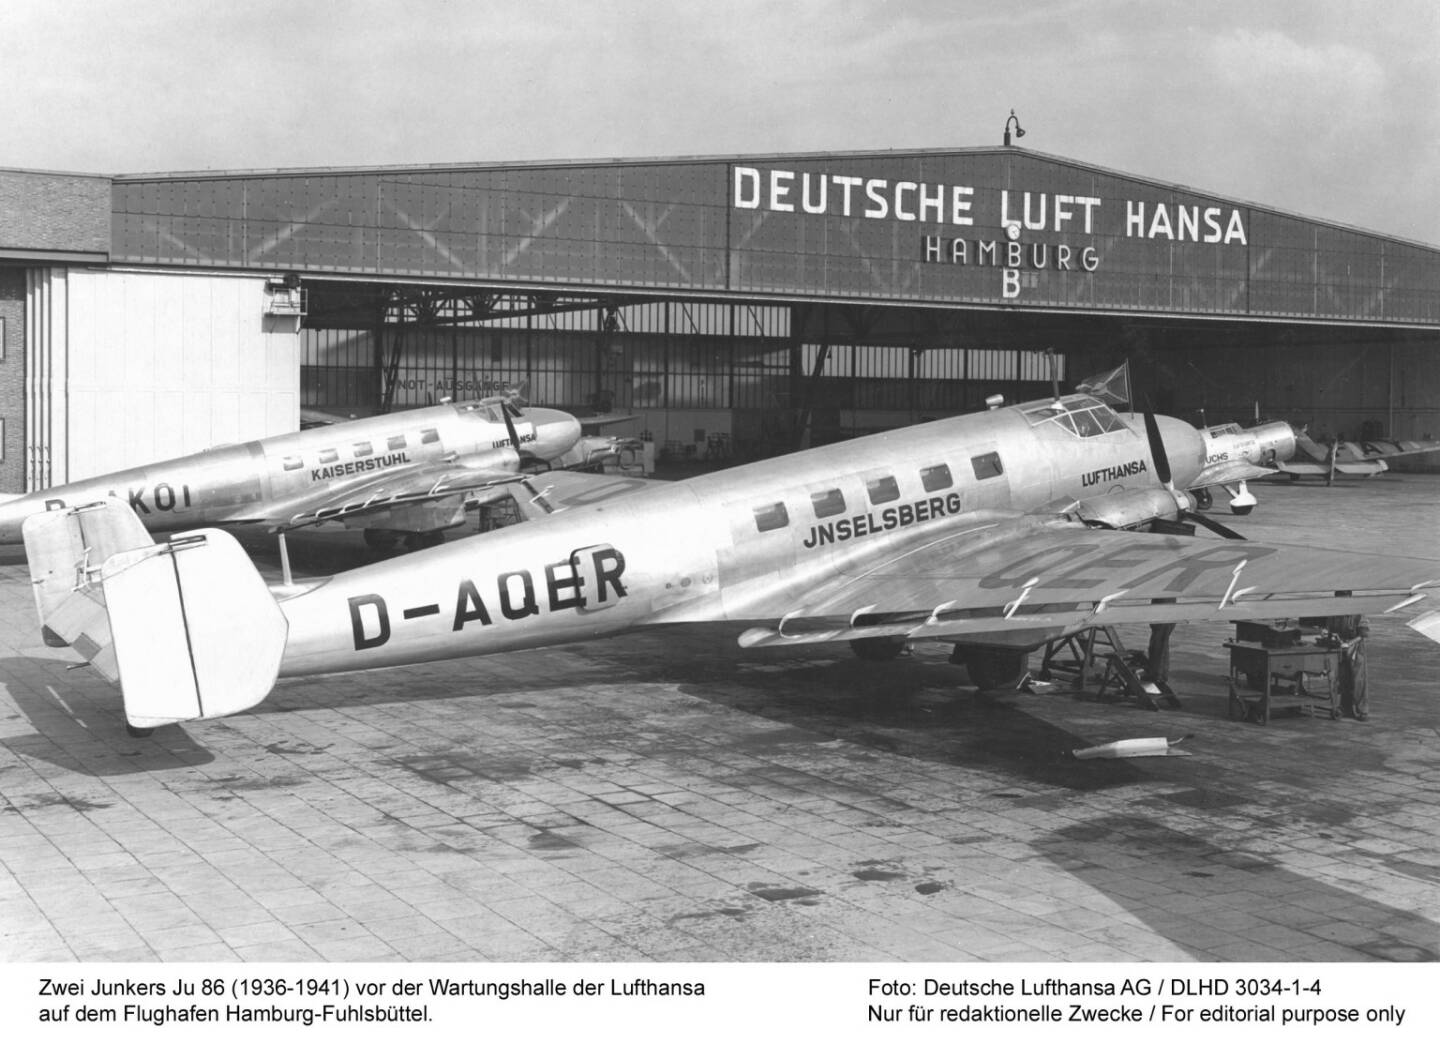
{"points": [[987, 465], [329, 456], [882, 490], [395, 442], [831, 502], [293, 463], [428, 435], [937, 477], [363, 449], [771, 516]]}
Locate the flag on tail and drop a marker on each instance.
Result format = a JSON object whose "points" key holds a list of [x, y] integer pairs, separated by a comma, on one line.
{"points": [[1112, 386]]}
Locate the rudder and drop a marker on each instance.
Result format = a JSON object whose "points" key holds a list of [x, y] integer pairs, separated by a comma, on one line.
{"points": [[196, 633]]}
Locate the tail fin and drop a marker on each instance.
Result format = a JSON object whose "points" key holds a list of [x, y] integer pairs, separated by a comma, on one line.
{"points": [[186, 627], [66, 549]]}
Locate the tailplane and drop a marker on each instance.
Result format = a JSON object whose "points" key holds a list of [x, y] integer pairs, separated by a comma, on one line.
{"points": [[187, 628]]}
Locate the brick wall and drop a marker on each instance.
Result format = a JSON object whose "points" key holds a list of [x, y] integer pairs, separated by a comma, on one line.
{"points": [[54, 212]]}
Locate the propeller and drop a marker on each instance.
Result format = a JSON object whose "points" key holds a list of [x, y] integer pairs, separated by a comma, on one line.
{"points": [[510, 429], [1162, 472], [1212, 524], [1157, 451]]}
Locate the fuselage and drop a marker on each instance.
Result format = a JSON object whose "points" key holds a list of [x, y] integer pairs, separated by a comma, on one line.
{"points": [[1263, 445], [740, 544], [233, 482]]}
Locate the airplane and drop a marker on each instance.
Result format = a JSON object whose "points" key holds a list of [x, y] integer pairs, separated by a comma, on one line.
{"points": [[594, 451], [1364, 459], [1233, 455], [993, 533], [408, 474]]}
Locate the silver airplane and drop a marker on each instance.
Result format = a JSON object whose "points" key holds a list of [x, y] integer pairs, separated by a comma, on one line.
{"points": [[408, 474], [993, 533], [1364, 459], [1234, 455]]}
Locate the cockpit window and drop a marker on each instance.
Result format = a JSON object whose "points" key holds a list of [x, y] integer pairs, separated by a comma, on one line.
{"points": [[1081, 415]]}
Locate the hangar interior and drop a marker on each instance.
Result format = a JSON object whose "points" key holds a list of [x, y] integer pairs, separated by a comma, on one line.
{"points": [[736, 306]]}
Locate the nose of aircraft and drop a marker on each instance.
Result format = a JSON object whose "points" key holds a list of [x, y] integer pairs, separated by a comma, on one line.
{"points": [[1275, 441], [1184, 447], [555, 432]]}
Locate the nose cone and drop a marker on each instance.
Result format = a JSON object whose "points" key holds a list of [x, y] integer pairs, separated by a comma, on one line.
{"points": [[1274, 441], [555, 432], [1184, 447]]}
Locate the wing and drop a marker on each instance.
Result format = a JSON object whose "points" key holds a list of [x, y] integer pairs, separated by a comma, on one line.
{"points": [[1313, 470], [1383, 449], [1025, 580], [339, 501], [1229, 471], [558, 490]]}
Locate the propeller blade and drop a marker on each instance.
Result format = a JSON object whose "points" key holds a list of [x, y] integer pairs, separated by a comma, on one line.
{"points": [[1157, 449], [510, 429], [1211, 524]]}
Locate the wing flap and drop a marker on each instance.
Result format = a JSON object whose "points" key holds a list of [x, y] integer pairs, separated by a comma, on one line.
{"points": [[1050, 579]]}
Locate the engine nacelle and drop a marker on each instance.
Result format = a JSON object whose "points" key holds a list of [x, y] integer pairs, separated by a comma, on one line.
{"points": [[1134, 507]]}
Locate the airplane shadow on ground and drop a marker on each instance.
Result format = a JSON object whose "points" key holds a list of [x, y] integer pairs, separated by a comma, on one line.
{"points": [[1225, 895], [82, 729]]}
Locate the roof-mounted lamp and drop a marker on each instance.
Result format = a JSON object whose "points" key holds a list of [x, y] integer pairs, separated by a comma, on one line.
{"points": [[1019, 131]]}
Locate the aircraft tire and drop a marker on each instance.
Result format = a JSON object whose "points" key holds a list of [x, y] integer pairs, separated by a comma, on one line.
{"points": [[1243, 509], [1203, 499], [138, 733], [996, 668], [877, 648]]}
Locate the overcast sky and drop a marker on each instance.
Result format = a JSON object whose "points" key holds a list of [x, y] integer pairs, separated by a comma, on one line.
{"points": [[1326, 109]]}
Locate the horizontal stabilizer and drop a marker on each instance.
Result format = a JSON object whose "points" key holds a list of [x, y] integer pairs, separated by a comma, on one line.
{"points": [[196, 633], [66, 549]]}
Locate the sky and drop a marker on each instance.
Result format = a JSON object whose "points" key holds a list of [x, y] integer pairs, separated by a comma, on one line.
{"points": [[1325, 108]]}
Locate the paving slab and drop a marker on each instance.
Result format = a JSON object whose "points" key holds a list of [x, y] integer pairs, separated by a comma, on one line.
{"points": [[667, 796]]}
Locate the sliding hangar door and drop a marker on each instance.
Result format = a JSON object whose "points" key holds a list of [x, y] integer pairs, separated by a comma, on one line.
{"points": [[759, 303]]}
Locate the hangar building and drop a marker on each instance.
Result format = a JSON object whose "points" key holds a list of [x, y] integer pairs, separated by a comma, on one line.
{"points": [[737, 306]]}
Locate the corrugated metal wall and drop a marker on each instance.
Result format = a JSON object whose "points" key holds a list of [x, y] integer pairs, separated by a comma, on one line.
{"points": [[895, 227]]}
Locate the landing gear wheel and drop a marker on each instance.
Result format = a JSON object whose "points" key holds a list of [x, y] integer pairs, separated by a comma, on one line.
{"points": [[381, 539], [1242, 509], [996, 668], [877, 648], [1204, 499], [138, 733]]}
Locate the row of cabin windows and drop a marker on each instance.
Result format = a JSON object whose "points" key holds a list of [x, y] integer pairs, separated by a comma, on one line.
{"points": [[364, 448], [880, 490]]}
